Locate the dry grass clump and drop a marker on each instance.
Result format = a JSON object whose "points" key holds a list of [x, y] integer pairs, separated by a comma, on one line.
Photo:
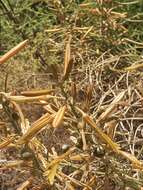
{"points": [[101, 111]]}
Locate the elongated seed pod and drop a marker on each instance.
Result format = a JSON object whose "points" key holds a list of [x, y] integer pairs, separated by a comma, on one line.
{"points": [[13, 51], [59, 117], [36, 92], [36, 128]]}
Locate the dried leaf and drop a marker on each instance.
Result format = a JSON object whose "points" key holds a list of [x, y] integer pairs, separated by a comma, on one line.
{"points": [[60, 158], [59, 117], [101, 134], [111, 107], [41, 158], [131, 68], [39, 146], [50, 174], [110, 128], [49, 109], [134, 67], [23, 120], [51, 168], [54, 30], [13, 51], [75, 181], [88, 31]]}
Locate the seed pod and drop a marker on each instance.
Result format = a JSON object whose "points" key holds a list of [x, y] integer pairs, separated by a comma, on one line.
{"points": [[6, 142], [68, 61], [73, 90], [59, 117], [36, 92], [103, 137], [13, 51], [36, 127]]}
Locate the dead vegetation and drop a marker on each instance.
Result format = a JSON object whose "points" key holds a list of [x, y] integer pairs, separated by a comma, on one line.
{"points": [[83, 130]]}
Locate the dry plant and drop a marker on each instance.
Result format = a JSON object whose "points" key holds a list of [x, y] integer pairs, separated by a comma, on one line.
{"points": [[103, 138]]}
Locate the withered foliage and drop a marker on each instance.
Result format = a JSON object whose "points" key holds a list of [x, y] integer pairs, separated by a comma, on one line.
{"points": [[61, 111], [103, 119]]}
